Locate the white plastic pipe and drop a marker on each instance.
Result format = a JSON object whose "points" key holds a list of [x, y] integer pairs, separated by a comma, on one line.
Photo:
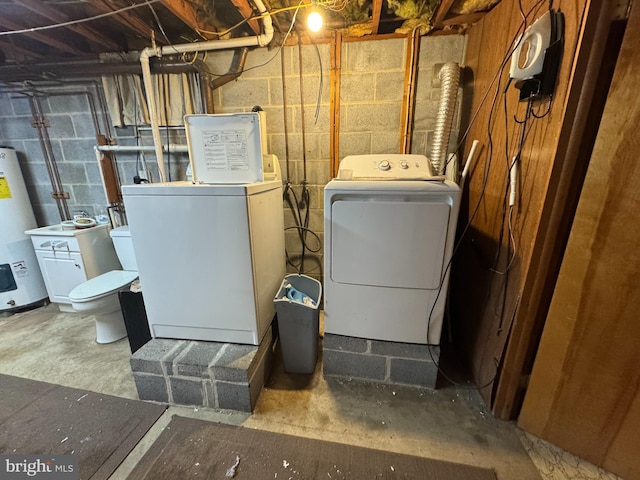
{"points": [[513, 176], [142, 148], [258, 40], [465, 170]]}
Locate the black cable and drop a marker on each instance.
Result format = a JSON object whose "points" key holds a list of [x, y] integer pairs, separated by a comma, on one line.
{"points": [[284, 113], [317, 113], [497, 76], [296, 214], [304, 198], [155, 15], [461, 237], [293, 21], [509, 165], [166, 86], [308, 230], [301, 224], [515, 41]]}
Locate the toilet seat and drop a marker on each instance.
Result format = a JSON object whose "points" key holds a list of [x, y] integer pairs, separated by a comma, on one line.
{"points": [[102, 285]]}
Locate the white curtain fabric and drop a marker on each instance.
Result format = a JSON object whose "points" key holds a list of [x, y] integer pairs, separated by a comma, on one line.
{"points": [[125, 100], [176, 95]]}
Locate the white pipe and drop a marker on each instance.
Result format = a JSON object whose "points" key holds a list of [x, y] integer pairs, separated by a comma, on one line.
{"points": [[258, 40], [513, 176], [465, 170], [142, 148]]}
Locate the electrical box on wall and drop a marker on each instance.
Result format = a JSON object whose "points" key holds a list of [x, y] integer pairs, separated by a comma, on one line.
{"points": [[536, 59]]}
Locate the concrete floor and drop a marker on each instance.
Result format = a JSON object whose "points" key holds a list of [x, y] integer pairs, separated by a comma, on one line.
{"points": [[449, 423]]}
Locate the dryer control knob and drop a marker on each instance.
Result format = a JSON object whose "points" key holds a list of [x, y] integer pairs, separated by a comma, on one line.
{"points": [[384, 165], [404, 165]]}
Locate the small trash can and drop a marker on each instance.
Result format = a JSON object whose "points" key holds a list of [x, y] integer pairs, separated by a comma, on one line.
{"points": [[297, 307]]}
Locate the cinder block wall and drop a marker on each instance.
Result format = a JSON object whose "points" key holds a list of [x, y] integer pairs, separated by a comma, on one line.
{"points": [[370, 108], [72, 136], [371, 98], [72, 133]]}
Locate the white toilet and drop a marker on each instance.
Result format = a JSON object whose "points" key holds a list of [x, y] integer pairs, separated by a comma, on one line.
{"points": [[99, 296]]}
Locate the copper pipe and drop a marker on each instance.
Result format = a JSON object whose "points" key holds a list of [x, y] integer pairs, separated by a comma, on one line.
{"points": [[49, 159], [304, 144], [235, 70], [284, 109], [336, 61]]}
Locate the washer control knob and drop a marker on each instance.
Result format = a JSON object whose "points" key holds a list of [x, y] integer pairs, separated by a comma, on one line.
{"points": [[404, 165], [384, 165]]}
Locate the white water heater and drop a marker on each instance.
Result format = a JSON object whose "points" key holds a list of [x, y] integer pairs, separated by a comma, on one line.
{"points": [[21, 282]]}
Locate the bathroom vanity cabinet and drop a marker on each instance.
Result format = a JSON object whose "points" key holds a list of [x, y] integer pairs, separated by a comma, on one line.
{"points": [[68, 258]]}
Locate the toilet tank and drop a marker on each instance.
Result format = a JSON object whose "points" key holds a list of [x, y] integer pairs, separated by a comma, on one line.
{"points": [[124, 248]]}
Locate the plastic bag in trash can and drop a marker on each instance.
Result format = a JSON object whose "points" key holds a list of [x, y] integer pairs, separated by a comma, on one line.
{"points": [[296, 295]]}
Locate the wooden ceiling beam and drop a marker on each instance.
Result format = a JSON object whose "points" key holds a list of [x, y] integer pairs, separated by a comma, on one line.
{"points": [[93, 35], [42, 38], [376, 12], [186, 12], [128, 20], [13, 49], [462, 20], [247, 12], [441, 12], [276, 19]]}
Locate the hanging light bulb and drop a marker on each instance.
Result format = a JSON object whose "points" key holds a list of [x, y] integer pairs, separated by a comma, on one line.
{"points": [[314, 21]]}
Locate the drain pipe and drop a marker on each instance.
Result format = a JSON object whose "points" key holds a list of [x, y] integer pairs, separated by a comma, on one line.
{"points": [[258, 40], [449, 79], [236, 68]]}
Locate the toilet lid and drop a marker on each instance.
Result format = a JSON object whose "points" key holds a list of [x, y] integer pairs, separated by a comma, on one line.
{"points": [[102, 285]]}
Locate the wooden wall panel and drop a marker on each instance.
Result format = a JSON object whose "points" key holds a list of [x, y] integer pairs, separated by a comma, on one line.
{"points": [[585, 389], [488, 306]]}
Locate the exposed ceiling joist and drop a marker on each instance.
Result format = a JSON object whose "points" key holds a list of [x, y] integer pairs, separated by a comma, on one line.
{"points": [[441, 12], [132, 25], [94, 36], [42, 38], [186, 12], [128, 20], [466, 19], [375, 16], [27, 54], [247, 12]]}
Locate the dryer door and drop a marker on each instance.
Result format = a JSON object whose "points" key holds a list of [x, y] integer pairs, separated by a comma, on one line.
{"points": [[389, 243]]}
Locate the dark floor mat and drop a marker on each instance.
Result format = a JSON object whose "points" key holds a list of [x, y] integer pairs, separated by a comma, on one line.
{"points": [[190, 448], [42, 418]]}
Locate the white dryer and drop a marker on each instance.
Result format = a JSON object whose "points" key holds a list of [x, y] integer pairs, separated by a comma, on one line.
{"points": [[389, 236]]}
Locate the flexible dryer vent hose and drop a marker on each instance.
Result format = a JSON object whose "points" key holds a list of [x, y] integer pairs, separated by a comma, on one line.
{"points": [[449, 80]]}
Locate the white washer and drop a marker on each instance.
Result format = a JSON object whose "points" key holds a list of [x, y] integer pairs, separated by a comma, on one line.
{"points": [[389, 235], [210, 257]]}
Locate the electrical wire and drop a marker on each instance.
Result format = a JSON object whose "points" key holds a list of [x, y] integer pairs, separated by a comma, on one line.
{"points": [[166, 87], [305, 196], [293, 21], [284, 114], [517, 38], [301, 224], [317, 113], [297, 7], [515, 43], [75, 22], [155, 15], [257, 17]]}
